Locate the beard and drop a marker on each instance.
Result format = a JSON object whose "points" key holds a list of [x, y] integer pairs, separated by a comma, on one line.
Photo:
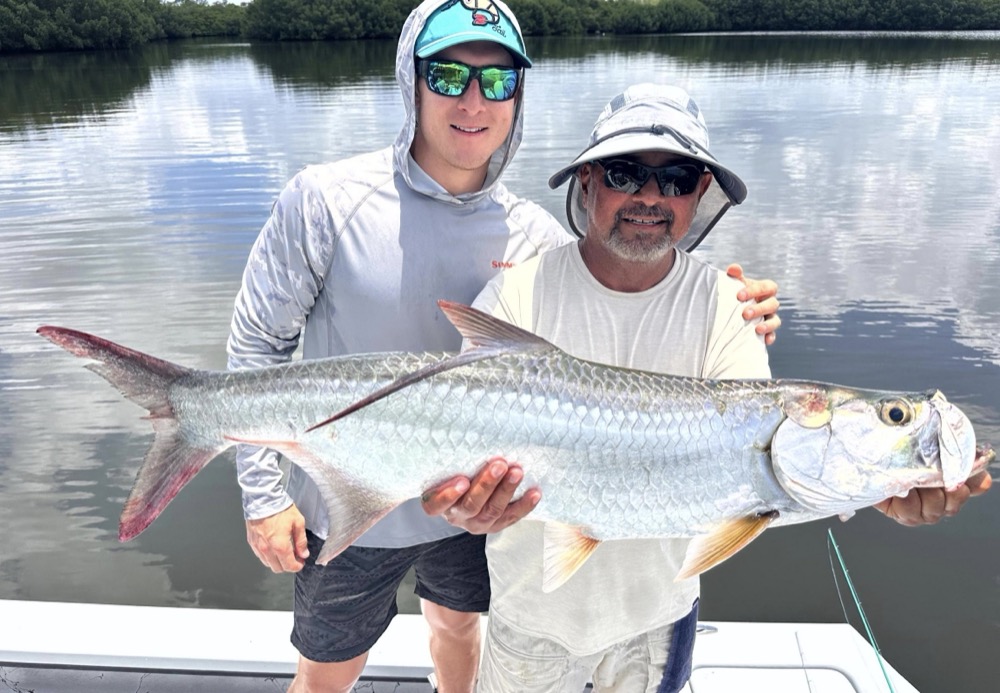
{"points": [[642, 247]]}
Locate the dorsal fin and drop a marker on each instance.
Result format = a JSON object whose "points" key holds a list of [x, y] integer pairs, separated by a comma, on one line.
{"points": [[483, 330], [489, 337]]}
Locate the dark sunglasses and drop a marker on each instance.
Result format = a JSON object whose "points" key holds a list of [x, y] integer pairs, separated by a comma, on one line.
{"points": [[452, 78], [627, 176]]}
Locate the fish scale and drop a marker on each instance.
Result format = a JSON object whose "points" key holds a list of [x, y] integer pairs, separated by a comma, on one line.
{"points": [[618, 454]]}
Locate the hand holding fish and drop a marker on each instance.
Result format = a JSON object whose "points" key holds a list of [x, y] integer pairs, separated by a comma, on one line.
{"points": [[485, 503], [765, 292], [279, 541], [927, 506]]}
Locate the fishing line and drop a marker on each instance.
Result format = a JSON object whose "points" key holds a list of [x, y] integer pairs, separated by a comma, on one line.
{"points": [[857, 602]]}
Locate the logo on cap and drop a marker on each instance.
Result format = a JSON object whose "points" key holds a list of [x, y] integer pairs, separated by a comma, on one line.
{"points": [[483, 11]]}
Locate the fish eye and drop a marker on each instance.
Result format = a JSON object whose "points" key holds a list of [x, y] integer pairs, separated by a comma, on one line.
{"points": [[895, 412]]}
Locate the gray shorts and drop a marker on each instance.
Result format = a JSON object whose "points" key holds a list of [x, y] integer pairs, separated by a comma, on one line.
{"points": [[658, 661], [342, 608]]}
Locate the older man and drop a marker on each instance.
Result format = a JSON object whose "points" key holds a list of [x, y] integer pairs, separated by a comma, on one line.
{"points": [[624, 295], [627, 295]]}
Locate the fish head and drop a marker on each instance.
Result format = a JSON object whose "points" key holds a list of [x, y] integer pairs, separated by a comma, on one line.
{"points": [[840, 450]]}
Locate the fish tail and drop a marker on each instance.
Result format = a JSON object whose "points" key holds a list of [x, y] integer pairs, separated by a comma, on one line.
{"points": [[171, 460]]}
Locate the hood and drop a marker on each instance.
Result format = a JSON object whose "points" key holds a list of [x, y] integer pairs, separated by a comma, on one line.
{"points": [[406, 77]]}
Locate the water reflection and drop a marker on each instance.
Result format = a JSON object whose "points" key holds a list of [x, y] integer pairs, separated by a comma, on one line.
{"points": [[50, 89], [132, 185], [311, 64]]}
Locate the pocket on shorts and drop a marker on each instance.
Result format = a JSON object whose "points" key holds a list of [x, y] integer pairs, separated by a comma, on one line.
{"points": [[516, 662]]}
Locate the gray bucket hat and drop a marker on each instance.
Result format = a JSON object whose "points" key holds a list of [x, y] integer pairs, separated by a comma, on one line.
{"points": [[654, 117]]}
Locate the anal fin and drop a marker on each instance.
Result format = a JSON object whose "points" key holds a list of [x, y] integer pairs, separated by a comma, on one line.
{"points": [[351, 506], [566, 549], [709, 550]]}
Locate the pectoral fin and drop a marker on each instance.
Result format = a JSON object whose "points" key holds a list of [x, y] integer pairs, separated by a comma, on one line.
{"points": [[566, 548], [709, 550]]}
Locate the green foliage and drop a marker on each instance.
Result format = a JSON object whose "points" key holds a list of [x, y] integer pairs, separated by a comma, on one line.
{"points": [[854, 15], [40, 25], [189, 18], [43, 25], [277, 20]]}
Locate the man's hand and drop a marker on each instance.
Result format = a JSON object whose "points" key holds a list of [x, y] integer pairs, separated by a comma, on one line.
{"points": [[765, 292], [280, 540], [925, 506], [483, 504]]}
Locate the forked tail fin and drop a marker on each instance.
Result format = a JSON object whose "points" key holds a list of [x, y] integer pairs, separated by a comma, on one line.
{"points": [[146, 380]]}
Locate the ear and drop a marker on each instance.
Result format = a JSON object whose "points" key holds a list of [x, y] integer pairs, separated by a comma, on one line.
{"points": [[704, 183], [585, 173]]}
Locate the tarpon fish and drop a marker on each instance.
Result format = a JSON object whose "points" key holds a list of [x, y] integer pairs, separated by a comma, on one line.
{"points": [[617, 453]]}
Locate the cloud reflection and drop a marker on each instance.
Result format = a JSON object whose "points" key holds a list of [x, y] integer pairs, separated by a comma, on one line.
{"points": [[872, 201]]}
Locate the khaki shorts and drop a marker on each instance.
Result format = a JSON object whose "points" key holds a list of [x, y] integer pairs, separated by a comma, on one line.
{"points": [[658, 661]]}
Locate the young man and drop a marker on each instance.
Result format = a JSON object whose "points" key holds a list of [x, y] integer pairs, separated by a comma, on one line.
{"points": [[625, 295], [353, 259]]}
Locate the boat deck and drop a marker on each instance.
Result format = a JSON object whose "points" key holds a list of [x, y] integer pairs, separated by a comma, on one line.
{"points": [[55, 647]]}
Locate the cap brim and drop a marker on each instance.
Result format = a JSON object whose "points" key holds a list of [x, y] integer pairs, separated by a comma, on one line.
{"points": [[434, 47]]}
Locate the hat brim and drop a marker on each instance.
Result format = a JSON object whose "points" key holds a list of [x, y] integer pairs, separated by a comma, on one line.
{"points": [[630, 143]]}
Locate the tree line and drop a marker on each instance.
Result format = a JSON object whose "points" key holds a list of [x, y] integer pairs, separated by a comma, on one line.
{"points": [[42, 25], [46, 25]]}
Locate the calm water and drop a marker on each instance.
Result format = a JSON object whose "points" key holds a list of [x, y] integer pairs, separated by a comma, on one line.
{"points": [[132, 185]]}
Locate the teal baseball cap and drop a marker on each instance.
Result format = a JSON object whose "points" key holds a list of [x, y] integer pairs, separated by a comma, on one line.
{"points": [[464, 21]]}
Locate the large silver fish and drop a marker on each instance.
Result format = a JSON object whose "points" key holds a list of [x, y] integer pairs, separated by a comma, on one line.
{"points": [[617, 453]]}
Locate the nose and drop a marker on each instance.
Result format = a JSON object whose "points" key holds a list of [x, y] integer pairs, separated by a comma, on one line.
{"points": [[650, 191], [473, 99]]}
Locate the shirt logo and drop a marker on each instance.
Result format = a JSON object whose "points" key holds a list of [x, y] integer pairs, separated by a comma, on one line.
{"points": [[502, 264]]}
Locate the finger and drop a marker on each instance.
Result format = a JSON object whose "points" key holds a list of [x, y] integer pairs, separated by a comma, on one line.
{"points": [[261, 549], [770, 325], [932, 504], [497, 505], [980, 483], [270, 560], [761, 290], [766, 307], [442, 497], [484, 484], [517, 510], [905, 510], [301, 543], [288, 562], [954, 500], [736, 272]]}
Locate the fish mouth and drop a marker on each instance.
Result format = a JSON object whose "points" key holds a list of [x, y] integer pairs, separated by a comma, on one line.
{"points": [[955, 441], [985, 456]]}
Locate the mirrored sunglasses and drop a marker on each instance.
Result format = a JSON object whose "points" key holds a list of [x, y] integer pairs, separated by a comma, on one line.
{"points": [[452, 78], [627, 176]]}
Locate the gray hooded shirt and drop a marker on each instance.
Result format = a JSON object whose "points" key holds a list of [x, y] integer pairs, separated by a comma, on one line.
{"points": [[354, 258]]}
